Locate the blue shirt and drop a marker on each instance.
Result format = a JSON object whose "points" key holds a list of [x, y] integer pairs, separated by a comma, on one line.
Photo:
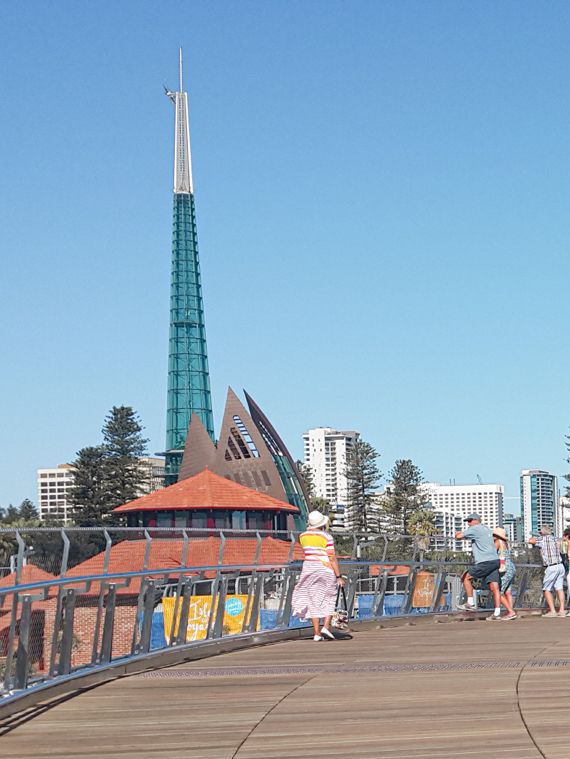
{"points": [[482, 545]]}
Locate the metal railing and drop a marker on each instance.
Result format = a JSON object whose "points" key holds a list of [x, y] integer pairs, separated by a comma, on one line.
{"points": [[55, 629], [58, 550]]}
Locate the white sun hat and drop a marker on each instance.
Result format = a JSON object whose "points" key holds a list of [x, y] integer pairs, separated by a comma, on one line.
{"points": [[316, 519]]}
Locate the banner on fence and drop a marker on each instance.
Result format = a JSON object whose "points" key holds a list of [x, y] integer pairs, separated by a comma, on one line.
{"points": [[199, 613]]}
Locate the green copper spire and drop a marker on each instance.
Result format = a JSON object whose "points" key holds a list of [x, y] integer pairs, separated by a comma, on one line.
{"points": [[188, 376]]}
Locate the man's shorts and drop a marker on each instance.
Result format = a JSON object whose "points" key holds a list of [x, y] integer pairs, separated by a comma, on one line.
{"points": [[553, 577], [486, 571]]}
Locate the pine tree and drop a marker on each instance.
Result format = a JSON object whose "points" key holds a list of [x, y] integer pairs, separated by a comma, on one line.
{"points": [[124, 445], [307, 476], [10, 515], [89, 495], [27, 511], [404, 496], [362, 475]]}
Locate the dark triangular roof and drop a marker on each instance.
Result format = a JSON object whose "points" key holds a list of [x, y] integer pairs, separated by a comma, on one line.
{"points": [[199, 450]]}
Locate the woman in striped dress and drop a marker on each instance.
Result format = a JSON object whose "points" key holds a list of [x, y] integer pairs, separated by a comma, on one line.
{"points": [[315, 594]]}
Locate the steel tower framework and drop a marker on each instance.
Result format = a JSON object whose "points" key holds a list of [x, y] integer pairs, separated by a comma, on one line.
{"points": [[188, 375]]}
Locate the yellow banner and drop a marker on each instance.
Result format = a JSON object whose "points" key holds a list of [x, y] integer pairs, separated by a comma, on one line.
{"points": [[199, 614]]}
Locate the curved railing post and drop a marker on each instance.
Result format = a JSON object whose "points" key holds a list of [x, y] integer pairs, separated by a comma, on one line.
{"points": [[66, 646], [20, 556], [146, 624], [410, 588], [23, 652], [380, 592], [64, 553], [108, 625], [186, 595]]}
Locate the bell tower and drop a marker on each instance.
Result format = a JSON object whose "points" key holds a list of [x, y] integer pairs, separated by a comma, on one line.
{"points": [[188, 374]]}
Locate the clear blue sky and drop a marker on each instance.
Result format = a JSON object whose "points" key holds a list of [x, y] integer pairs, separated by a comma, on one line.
{"points": [[383, 199]]}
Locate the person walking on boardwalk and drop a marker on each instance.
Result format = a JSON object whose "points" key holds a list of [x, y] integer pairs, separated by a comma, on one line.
{"points": [[507, 571], [315, 594], [553, 570], [486, 566]]}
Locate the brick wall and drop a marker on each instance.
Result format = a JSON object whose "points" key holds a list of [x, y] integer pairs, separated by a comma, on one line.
{"points": [[84, 623]]}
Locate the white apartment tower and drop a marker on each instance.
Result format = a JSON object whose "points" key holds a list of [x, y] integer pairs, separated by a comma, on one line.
{"points": [[154, 468], [461, 500], [53, 487], [325, 452]]}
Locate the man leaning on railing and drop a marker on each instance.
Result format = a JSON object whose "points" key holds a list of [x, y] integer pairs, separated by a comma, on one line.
{"points": [[486, 567]]}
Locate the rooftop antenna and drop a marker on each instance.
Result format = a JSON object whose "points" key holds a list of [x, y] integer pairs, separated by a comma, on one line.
{"points": [[180, 67]]}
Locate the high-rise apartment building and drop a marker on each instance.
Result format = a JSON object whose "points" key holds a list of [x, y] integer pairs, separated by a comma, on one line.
{"points": [[564, 504], [461, 500], [540, 501], [154, 470], [325, 452], [53, 486], [514, 528], [447, 524]]}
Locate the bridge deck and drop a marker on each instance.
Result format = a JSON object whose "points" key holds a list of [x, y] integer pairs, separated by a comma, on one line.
{"points": [[499, 690]]}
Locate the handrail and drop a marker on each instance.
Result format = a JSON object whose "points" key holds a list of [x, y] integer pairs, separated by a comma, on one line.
{"points": [[79, 579]]}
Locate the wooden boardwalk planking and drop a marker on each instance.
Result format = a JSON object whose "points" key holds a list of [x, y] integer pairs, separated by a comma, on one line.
{"points": [[227, 708]]}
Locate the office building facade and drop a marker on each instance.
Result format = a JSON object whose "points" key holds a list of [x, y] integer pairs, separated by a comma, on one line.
{"points": [[514, 528], [461, 500]]}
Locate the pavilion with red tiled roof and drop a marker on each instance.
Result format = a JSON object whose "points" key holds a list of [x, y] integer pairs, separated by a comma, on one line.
{"points": [[207, 501]]}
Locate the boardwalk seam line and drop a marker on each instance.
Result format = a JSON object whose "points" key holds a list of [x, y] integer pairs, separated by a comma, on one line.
{"points": [[526, 727], [275, 705]]}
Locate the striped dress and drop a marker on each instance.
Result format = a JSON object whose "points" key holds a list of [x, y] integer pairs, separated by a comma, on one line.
{"points": [[315, 592]]}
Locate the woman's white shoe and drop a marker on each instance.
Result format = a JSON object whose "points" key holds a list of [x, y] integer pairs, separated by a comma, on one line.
{"points": [[317, 637], [326, 633]]}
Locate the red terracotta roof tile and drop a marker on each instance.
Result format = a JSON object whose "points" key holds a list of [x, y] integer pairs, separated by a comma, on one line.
{"points": [[207, 490], [30, 573], [128, 556]]}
